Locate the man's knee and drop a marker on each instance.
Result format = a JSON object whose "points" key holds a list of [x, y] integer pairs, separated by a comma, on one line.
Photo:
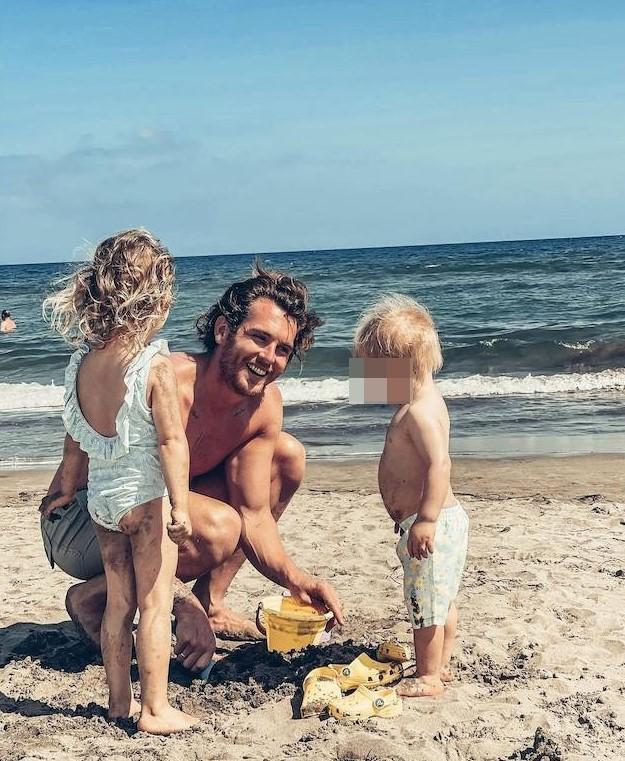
{"points": [[225, 530], [216, 526], [289, 460], [86, 598]]}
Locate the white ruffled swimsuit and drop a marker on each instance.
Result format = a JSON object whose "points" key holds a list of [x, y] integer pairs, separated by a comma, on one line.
{"points": [[124, 470]]}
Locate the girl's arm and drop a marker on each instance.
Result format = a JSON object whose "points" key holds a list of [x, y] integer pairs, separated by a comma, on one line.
{"points": [[71, 474], [172, 445]]}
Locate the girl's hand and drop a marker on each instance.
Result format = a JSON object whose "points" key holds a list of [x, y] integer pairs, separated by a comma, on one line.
{"points": [[179, 529], [421, 539]]}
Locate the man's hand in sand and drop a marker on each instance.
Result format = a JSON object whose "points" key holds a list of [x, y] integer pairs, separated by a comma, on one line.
{"points": [[421, 539], [195, 641], [319, 593]]}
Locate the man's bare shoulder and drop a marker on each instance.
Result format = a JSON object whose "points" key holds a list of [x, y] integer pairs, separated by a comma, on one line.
{"points": [[186, 366], [184, 362], [268, 414]]}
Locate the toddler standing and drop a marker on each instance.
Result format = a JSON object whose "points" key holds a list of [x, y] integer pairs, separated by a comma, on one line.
{"points": [[414, 481], [121, 412]]}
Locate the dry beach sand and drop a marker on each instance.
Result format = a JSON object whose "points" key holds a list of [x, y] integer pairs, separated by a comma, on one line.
{"points": [[540, 660]]}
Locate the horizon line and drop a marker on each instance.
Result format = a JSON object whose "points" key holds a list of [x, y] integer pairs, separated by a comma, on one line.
{"points": [[355, 248]]}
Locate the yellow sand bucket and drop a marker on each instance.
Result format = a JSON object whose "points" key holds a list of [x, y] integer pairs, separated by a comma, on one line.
{"points": [[290, 625]]}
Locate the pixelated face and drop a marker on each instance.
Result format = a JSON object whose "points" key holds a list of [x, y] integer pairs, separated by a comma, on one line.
{"points": [[259, 351], [374, 380]]}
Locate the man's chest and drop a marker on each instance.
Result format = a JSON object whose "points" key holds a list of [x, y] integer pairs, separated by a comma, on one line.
{"points": [[213, 439]]}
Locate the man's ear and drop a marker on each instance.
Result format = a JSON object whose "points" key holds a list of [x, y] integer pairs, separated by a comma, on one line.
{"points": [[221, 330]]}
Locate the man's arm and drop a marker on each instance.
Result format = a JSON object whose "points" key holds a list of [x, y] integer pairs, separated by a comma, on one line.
{"points": [[70, 476], [248, 477]]}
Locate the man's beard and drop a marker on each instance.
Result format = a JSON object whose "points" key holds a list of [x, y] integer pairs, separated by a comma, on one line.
{"points": [[230, 373]]}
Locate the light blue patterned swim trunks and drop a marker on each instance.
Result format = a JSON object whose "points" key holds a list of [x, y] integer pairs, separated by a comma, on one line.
{"points": [[431, 585]]}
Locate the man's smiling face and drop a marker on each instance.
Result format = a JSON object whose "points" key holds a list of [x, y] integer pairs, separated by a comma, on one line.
{"points": [[259, 351]]}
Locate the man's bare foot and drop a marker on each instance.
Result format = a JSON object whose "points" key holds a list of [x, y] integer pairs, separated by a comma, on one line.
{"points": [[134, 710], [447, 675], [166, 722], [229, 625], [420, 687]]}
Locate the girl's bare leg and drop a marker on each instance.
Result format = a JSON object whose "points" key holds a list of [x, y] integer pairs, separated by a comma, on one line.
{"points": [[428, 645], [451, 625], [154, 556], [116, 628]]}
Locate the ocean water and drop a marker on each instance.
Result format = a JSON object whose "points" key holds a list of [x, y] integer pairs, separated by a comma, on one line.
{"points": [[533, 335]]}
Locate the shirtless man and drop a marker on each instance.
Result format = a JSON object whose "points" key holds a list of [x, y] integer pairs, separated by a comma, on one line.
{"points": [[7, 324], [244, 469]]}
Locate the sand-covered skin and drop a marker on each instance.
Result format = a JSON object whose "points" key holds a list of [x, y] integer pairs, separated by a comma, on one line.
{"points": [[540, 661]]}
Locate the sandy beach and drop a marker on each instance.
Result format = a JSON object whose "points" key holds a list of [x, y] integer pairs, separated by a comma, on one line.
{"points": [[540, 660]]}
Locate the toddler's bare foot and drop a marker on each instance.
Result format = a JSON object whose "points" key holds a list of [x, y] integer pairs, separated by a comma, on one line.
{"points": [[447, 675], [420, 687], [120, 713], [166, 722]]}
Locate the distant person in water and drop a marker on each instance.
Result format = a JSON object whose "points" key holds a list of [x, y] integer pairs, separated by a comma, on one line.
{"points": [[7, 325]]}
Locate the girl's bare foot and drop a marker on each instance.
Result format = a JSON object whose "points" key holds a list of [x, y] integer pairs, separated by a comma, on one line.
{"points": [[166, 722], [420, 687], [447, 675], [134, 710]]}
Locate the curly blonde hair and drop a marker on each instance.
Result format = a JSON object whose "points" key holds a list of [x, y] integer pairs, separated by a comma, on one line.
{"points": [[122, 293], [397, 326]]}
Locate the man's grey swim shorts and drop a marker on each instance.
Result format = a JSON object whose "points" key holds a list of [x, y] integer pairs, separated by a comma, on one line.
{"points": [[71, 542]]}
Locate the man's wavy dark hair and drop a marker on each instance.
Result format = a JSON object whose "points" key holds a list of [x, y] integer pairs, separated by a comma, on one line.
{"points": [[287, 292]]}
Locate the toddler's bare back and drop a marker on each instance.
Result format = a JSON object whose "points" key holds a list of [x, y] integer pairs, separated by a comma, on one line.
{"points": [[101, 389]]}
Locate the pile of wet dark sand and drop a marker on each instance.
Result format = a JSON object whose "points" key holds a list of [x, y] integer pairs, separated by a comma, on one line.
{"points": [[249, 676], [542, 748]]}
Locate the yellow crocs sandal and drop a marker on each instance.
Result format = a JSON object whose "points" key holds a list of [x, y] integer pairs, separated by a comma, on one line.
{"points": [[393, 651], [364, 704], [364, 670], [320, 688]]}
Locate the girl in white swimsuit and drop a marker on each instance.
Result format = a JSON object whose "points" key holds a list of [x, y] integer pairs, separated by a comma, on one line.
{"points": [[121, 414]]}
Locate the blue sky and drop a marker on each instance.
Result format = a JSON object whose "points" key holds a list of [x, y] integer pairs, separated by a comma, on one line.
{"points": [[263, 126]]}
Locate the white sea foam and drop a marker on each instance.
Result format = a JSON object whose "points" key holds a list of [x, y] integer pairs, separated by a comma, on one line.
{"points": [[579, 345], [508, 385], [16, 397], [303, 391], [490, 342], [329, 390], [30, 396]]}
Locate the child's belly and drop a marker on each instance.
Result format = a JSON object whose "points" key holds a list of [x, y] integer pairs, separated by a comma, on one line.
{"points": [[402, 492]]}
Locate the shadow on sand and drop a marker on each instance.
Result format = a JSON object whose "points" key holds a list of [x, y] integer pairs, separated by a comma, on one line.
{"points": [[56, 646]]}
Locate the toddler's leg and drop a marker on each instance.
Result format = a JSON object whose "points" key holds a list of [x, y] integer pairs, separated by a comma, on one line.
{"points": [[451, 625], [428, 646], [155, 556], [116, 628]]}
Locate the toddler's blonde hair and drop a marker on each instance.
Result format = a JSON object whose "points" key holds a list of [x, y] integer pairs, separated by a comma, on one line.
{"points": [[397, 326], [122, 293]]}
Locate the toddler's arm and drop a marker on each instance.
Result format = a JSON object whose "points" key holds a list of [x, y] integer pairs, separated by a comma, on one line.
{"points": [[432, 445], [173, 447], [72, 470]]}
